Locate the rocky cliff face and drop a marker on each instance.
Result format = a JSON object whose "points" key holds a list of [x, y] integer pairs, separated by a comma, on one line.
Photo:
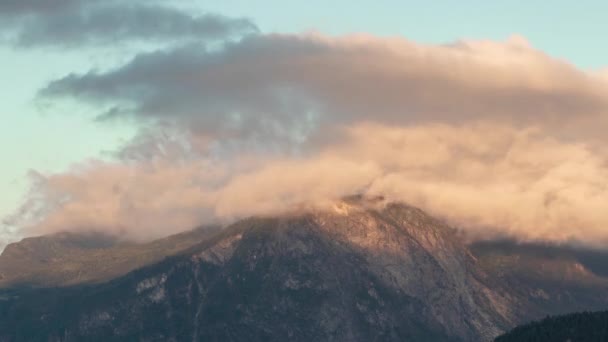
{"points": [[421, 257], [354, 273]]}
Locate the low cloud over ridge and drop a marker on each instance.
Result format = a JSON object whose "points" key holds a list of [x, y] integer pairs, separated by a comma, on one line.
{"points": [[497, 137]]}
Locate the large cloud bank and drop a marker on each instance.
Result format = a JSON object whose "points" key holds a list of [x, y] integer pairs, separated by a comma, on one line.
{"points": [[497, 137]]}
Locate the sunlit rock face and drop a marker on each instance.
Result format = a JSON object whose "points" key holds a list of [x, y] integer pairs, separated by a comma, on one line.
{"points": [[422, 257], [361, 270]]}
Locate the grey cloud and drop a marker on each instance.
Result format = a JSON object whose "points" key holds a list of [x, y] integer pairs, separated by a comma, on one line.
{"points": [[77, 23], [24, 7], [295, 84]]}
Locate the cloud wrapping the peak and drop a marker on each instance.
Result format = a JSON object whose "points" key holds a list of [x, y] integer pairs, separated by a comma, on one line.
{"points": [[497, 137], [491, 180]]}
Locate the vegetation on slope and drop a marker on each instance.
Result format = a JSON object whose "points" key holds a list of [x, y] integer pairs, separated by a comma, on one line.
{"points": [[577, 327]]}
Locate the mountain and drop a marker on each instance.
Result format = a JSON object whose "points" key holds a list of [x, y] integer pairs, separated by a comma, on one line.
{"points": [[69, 258], [357, 273], [551, 279], [363, 270], [579, 327]]}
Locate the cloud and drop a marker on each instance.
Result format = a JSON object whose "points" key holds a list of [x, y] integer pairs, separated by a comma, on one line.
{"points": [[21, 7], [492, 180], [71, 23], [497, 137], [299, 83]]}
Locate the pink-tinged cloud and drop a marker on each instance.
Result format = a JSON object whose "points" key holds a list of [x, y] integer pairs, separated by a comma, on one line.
{"points": [[496, 137]]}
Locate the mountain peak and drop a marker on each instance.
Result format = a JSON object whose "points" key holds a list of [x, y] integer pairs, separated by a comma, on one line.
{"points": [[365, 269]]}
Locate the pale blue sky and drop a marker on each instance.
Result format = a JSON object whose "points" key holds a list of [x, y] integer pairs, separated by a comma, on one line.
{"points": [[51, 139], [573, 30]]}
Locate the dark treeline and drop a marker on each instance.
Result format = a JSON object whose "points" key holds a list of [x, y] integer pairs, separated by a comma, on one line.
{"points": [[577, 327]]}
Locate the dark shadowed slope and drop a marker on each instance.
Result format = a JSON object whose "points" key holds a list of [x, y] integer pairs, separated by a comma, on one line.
{"points": [[578, 327], [554, 279]]}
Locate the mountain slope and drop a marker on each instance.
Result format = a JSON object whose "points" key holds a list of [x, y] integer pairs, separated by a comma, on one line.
{"points": [[355, 273], [553, 279], [69, 258]]}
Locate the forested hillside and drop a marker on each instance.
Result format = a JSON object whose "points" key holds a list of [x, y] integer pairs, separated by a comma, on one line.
{"points": [[577, 327]]}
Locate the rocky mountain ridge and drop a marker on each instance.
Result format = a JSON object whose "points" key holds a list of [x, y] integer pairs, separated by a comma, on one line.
{"points": [[357, 272], [65, 259]]}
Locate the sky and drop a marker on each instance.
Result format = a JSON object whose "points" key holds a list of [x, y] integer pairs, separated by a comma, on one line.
{"points": [[76, 105], [568, 30]]}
